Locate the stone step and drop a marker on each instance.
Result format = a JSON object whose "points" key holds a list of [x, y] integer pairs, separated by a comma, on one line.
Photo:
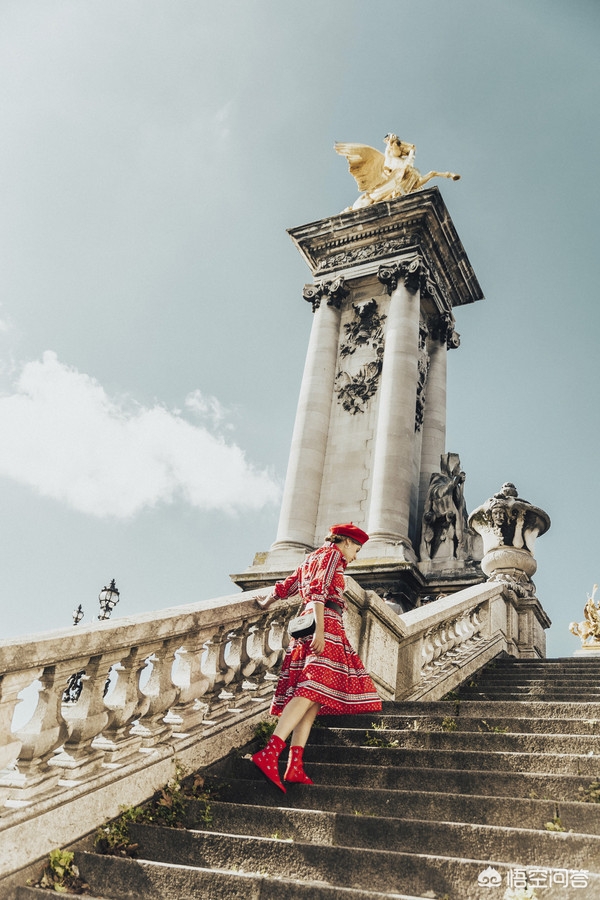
{"points": [[548, 664], [485, 724], [415, 776], [449, 738], [524, 812], [492, 696], [541, 677], [412, 835], [481, 709], [23, 892], [361, 868], [140, 879], [468, 760], [559, 680]]}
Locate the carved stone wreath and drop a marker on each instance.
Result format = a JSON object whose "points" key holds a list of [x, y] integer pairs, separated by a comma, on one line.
{"points": [[365, 329]]}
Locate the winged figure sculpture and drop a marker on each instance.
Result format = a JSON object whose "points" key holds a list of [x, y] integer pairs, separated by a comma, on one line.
{"points": [[385, 176]]}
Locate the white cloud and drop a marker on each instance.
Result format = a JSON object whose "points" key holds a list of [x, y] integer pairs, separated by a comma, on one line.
{"points": [[206, 407], [66, 438]]}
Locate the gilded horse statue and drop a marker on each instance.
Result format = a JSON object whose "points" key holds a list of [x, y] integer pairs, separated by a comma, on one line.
{"points": [[589, 629], [385, 176]]}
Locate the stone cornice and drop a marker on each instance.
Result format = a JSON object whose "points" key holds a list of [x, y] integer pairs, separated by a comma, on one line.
{"points": [[356, 243]]}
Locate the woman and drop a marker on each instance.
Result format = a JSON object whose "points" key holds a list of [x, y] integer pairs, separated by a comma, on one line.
{"points": [[321, 674]]}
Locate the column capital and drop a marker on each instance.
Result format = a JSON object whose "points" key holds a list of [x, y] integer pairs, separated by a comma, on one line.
{"points": [[414, 273], [334, 291], [441, 328]]}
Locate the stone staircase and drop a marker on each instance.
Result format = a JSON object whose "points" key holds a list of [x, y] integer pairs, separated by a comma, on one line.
{"points": [[439, 800]]}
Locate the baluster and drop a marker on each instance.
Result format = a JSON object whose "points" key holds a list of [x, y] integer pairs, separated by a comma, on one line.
{"points": [[466, 629], [217, 671], [189, 711], [427, 652], [263, 647], [41, 735], [437, 645], [161, 693], [454, 639], [11, 686], [234, 657], [477, 620], [86, 719], [275, 641], [126, 703]]}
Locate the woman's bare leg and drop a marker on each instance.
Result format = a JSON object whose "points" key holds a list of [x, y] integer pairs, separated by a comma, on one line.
{"points": [[302, 729], [292, 719]]}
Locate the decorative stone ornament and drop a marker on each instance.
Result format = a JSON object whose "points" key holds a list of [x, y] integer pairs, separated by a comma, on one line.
{"points": [[509, 527]]}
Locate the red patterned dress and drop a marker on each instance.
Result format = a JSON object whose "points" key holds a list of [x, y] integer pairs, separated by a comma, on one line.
{"points": [[335, 678]]}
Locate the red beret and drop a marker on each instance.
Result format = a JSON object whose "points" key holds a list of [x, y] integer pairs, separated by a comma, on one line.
{"points": [[351, 531]]}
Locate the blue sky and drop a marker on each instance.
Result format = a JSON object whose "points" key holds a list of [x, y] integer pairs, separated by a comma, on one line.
{"points": [[152, 155]]}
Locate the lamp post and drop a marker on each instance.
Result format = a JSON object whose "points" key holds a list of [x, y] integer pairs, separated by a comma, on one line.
{"points": [[108, 599]]}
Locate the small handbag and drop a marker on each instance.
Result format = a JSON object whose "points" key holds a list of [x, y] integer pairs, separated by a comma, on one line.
{"points": [[302, 626]]}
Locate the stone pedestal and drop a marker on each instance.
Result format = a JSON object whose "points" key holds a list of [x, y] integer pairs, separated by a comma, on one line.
{"points": [[371, 418]]}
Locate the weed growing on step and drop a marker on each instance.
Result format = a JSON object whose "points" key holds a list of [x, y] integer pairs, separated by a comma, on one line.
{"points": [[453, 697], [61, 874], [168, 808], [554, 825], [373, 740], [449, 724], [113, 838], [263, 731], [493, 729], [591, 793]]}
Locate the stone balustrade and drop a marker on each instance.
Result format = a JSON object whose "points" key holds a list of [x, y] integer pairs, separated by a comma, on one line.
{"points": [[190, 683]]}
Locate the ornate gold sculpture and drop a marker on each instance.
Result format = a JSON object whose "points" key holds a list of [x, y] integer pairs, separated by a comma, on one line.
{"points": [[385, 176], [589, 629]]}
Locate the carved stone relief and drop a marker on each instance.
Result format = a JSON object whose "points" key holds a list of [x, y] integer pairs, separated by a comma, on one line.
{"points": [[422, 373], [362, 254], [364, 330]]}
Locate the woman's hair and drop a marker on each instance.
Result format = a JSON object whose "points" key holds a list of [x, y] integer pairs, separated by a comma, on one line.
{"points": [[335, 538]]}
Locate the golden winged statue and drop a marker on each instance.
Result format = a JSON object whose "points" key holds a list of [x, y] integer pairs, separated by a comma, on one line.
{"points": [[589, 629], [385, 176]]}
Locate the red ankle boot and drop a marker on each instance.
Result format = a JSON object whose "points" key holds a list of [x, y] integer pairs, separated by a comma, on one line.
{"points": [[267, 760], [295, 768]]}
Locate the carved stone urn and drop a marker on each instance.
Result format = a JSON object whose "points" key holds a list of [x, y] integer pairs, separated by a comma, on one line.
{"points": [[509, 527]]}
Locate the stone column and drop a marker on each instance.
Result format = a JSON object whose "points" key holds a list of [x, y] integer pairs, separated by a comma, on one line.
{"points": [[441, 338], [300, 504], [389, 511]]}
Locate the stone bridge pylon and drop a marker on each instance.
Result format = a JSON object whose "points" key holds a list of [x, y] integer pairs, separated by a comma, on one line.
{"points": [[371, 419]]}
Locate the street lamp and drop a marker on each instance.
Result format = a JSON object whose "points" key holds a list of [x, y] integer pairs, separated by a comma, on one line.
{"points": [[77, 615], [108, 599]]}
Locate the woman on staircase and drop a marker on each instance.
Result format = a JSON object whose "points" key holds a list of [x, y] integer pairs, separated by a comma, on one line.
{"points": [[321, 674]]}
